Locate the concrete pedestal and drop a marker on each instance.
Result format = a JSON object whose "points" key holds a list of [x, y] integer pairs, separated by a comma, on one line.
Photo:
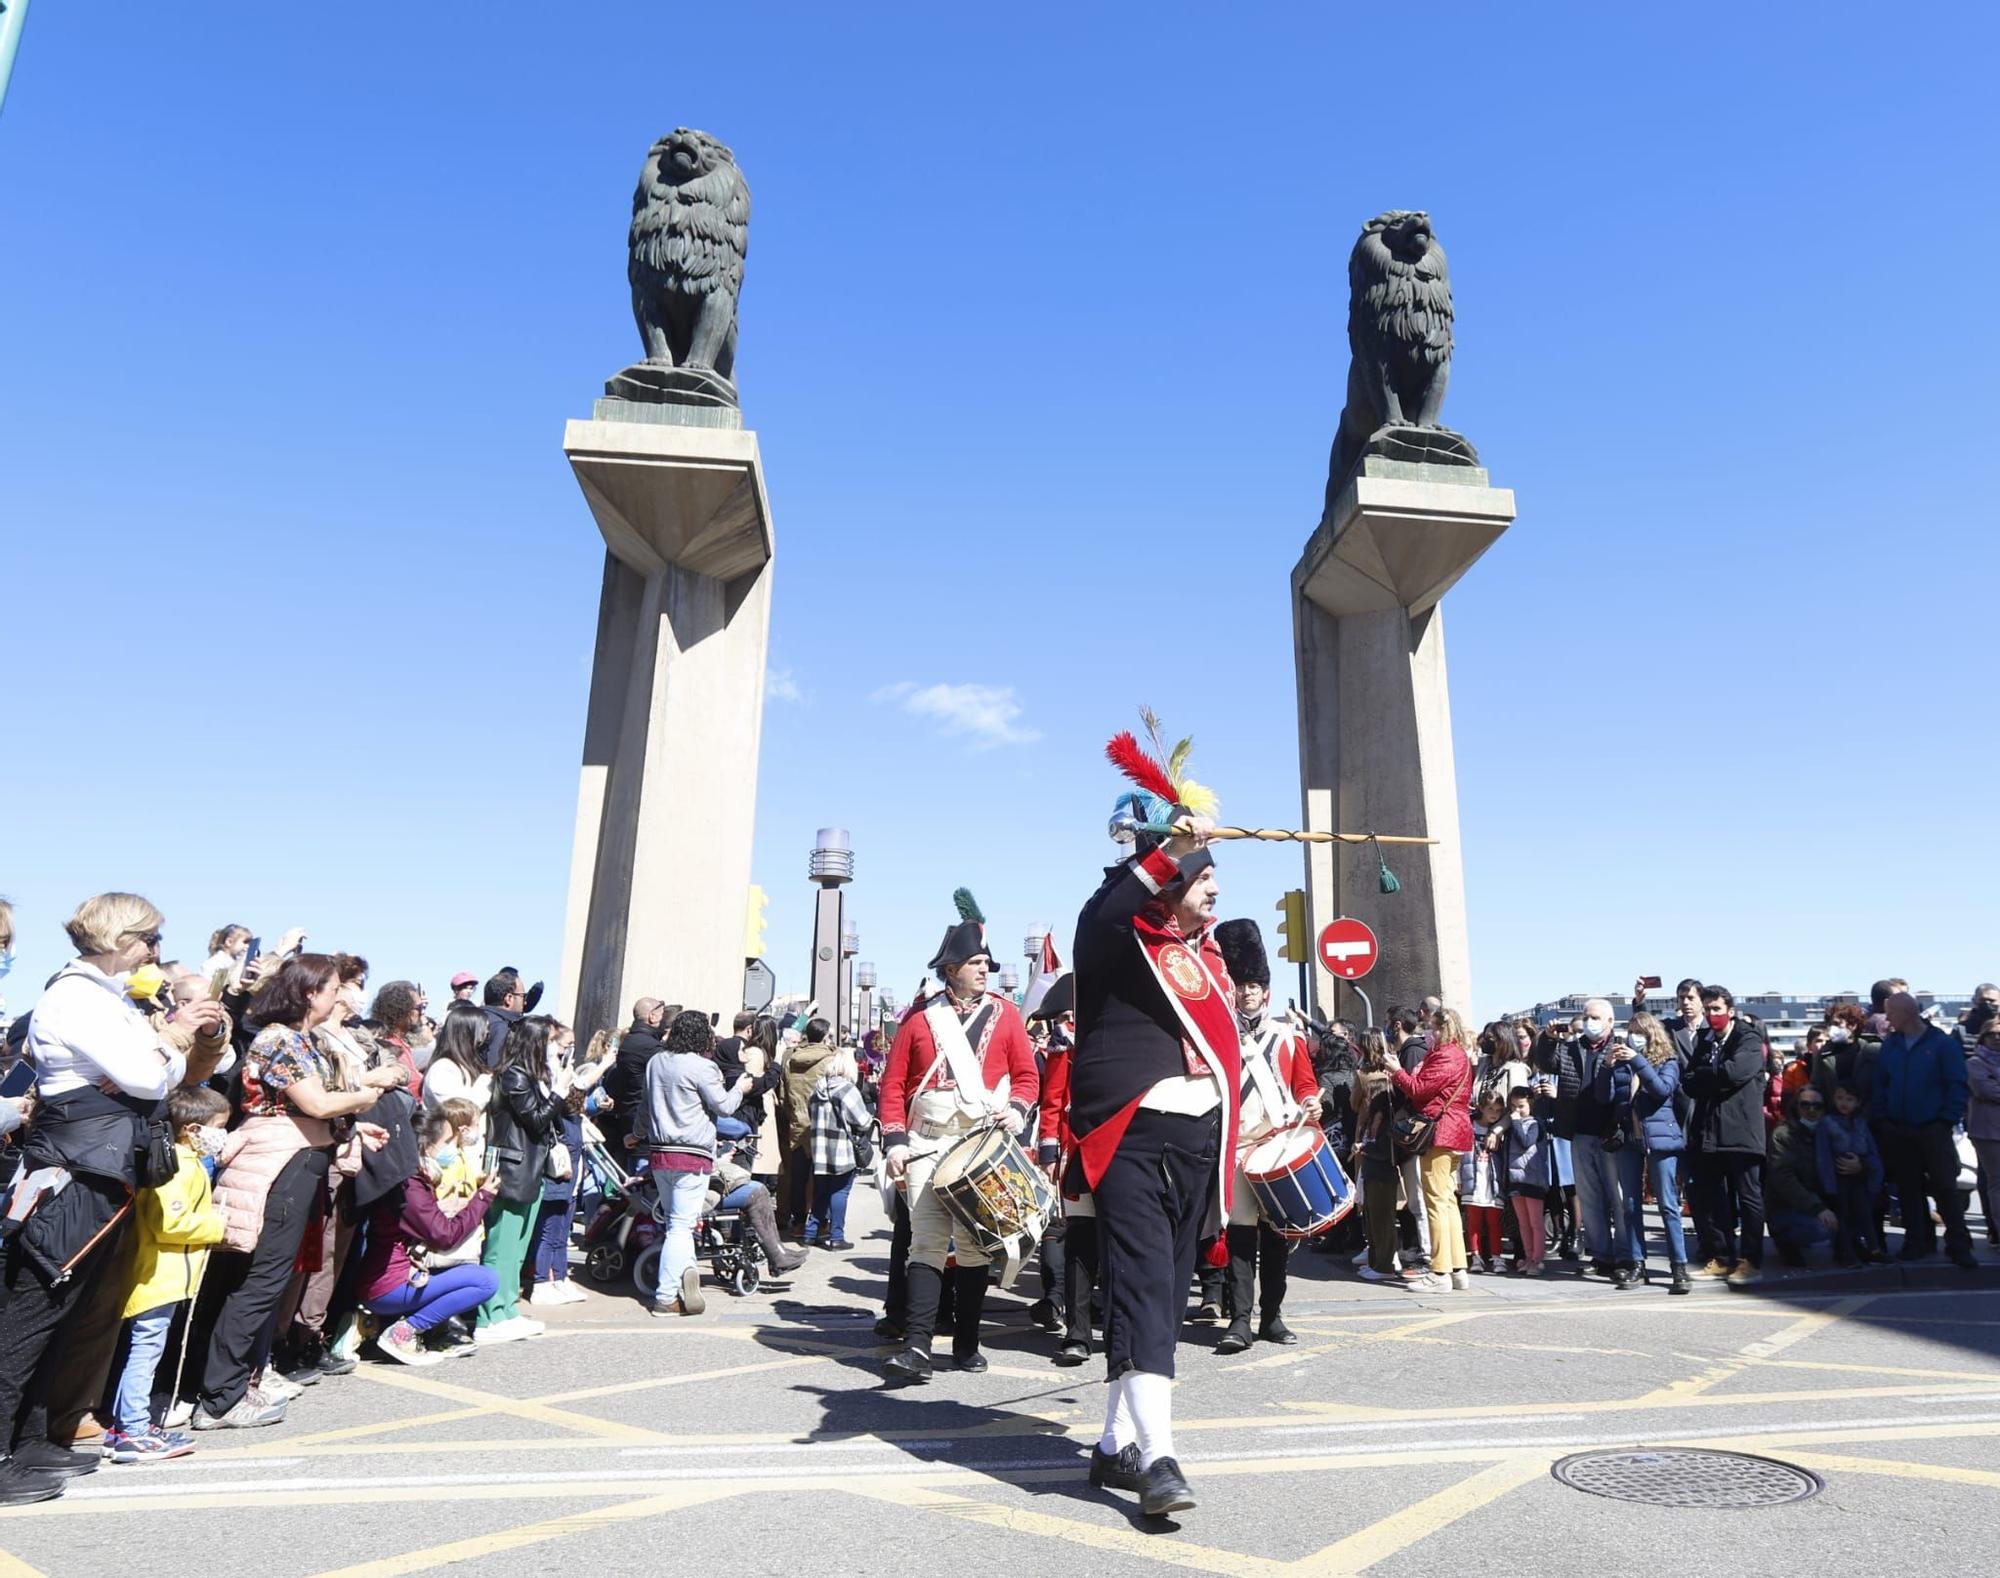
{"points": [[1375, 749], [660, 874]]}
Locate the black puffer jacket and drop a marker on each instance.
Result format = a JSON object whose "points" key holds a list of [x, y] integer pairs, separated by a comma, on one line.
{"points": [[527, 1119], [1726, 1079]]}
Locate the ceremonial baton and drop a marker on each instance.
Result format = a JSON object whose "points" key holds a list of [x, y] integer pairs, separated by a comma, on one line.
{"points": [[1126, 826]]}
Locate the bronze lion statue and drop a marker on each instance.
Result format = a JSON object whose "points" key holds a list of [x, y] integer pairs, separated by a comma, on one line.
{"points": [[690, 231], [1399, 329]]}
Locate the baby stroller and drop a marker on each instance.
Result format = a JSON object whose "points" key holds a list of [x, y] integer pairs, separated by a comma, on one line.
{"points": [[628, 1230]]}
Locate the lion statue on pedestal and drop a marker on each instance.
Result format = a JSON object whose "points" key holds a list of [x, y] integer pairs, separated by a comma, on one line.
{"points": [[1399, 320], [690, 231]]}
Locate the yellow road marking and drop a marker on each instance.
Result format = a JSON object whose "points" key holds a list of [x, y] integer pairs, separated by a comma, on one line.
{"points": [[1359, 1551], [1102, 1537], [478, 1545], [1763, 1348], [620, 1388], [1989, 1377], [1950, 1473], [11, 1566], [521, 1408]]}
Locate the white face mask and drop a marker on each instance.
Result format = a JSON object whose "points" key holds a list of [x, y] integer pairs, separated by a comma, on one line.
{"points": [[1635, 1041], [210, 1141], [1594, 1028], [1837, 1033]]}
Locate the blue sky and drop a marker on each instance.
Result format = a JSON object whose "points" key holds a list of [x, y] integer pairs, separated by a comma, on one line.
{"points": [[1043, 336]]}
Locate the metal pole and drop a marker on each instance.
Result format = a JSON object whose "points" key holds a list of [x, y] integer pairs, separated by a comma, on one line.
{"points": [[1365, 1003], [13, 17]]}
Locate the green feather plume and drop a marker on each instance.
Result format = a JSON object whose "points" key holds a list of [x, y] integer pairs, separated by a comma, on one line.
{"points": [[968, 906]]}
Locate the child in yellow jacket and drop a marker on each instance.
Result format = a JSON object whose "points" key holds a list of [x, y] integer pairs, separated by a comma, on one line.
{"points": [[177, 1223]]}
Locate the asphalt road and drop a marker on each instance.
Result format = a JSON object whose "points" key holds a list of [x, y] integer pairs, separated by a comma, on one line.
{"points": [[1403, 1435]]}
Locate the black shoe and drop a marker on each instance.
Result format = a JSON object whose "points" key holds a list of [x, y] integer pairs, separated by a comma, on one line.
{"points": [[1600, 1268], [1208, 1314], [1275, 1330], [971, 1363], [1165, 1490], [1623, 1277], [837, 1244], [20, 1487], [1678, 1274], [889, 1330], [331, 1363], [1120, 1472], [1045, 1316], [45, 1457], [909, 1365], [1910, 1252], [1965, 1260], [1071, 1354], [1236, 1339]]}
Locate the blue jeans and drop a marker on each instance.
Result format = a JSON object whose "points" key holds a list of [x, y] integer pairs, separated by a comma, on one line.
{"points": [[1599, 1203], [684, 1194], [1664, 1167], [456, 1290], [1628, 1162], [830, 1192], [1798, 1230], [145, 1340]]}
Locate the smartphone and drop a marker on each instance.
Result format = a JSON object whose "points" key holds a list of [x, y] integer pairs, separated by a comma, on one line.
{"points": [[1650, 982], [298, 947], [20, 1079], [256, 947]]}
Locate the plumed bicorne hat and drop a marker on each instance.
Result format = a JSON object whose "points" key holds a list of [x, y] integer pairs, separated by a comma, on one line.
{"points": [[1161, 788], [966, 938], [1242, 945]]}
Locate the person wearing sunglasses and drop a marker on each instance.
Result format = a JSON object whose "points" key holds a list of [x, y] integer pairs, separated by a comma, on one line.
{"points": [[101, 1073]]}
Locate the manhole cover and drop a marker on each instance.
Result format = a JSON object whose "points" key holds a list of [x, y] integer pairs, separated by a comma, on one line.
{"points": [[1688, 1477]]}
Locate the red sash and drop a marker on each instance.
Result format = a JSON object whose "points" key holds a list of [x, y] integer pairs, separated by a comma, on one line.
{"points": [[1193, 980]]}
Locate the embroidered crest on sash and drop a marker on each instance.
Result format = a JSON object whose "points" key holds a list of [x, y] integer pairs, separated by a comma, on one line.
{"points": [[1184, 972]]}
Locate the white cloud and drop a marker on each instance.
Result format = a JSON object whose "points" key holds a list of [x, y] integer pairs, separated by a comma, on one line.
{"points": [[986, 715], [779, 685]]}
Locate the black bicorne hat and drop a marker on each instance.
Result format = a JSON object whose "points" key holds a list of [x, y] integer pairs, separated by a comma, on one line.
{"points": [[967, 938], [1059, 1000], [1242, 945]]}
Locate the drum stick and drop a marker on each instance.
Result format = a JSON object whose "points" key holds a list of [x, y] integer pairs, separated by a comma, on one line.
{"points": [[1269, 835]]}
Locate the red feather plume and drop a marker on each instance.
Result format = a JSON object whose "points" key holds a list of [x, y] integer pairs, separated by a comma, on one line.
{"points": [[1124, 752]]}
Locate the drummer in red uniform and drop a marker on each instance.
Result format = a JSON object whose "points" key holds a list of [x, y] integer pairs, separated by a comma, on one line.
{"points": [[963, 1061], [1153, 1089], [1278, 1087]]}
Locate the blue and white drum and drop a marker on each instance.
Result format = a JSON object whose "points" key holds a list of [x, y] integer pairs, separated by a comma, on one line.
{"points": [[1298, 1181]]}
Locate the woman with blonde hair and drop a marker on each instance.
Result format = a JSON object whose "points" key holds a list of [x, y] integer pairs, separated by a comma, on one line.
{"points": [[1649, 1053], [840, 1122], [1436, 1094]]}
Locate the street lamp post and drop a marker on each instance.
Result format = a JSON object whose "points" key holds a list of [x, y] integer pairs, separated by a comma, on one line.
{"points": [[850, 945], [832, 867], [864, 978], [1010, 979]]}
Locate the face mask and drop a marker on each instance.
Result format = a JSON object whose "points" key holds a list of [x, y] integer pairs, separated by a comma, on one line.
{"points": [[6, 960], [1636, 1042], [1594, 1028], [1718, 1022], [1837, 1034], [210, 1141], [350, 999], [445, 1159], [1809, 1123]]}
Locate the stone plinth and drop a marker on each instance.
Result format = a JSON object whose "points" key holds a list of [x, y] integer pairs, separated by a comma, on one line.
{"points": [[660, 874], [1375, 751]]}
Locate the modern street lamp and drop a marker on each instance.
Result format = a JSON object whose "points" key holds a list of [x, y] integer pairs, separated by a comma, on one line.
{"points": [[850, 945], [864, 978], [832, 867], [1010, 979], [1031, 950]]}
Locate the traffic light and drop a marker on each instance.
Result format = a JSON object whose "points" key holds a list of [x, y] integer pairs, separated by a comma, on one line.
{"points": [[1296, 947], [754, 923]]}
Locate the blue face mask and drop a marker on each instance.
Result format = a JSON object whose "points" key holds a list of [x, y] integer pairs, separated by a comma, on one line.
{"points": [[6, 960], [446, 1159]]}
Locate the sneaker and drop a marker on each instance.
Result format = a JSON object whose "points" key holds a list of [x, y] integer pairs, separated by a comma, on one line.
{"points": [[519, 1329], [1429, 1282], [1745, 1274], [1360, 1259], [45, 1457], [277, 1388], [19, 1487], [118, 1447], [179, 1415], [400, 1342], [1370, 1274], [692, 1303], [1460, 1282], [248, 1414], [571, 1293], [1717, 1268], [155, 1446], [545, 1293], [331, 1363]]}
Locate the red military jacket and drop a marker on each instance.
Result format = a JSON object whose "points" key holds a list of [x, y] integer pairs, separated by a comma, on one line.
{"points": [[1056, 1140], [1002, 1046]]}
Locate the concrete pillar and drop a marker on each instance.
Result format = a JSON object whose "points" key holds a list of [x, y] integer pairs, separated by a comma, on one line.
{"points": [[666, 807], [1375, 751]]}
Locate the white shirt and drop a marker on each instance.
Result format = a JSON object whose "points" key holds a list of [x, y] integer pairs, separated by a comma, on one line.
{"points": [[86, 1030]]}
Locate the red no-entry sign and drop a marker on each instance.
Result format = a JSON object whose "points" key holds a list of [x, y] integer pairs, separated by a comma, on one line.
{"points": [[1348, 948]]}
